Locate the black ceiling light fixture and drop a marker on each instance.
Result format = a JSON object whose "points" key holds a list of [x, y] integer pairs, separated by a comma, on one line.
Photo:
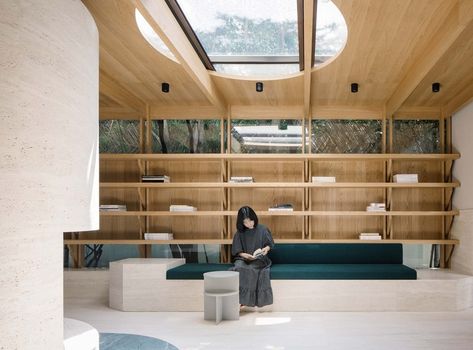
{"points": [[259, 86], [165, 87], [435, 87], [354, 87]]}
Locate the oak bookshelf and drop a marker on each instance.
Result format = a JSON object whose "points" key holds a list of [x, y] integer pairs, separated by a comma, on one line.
{"points": [[417, 213]]}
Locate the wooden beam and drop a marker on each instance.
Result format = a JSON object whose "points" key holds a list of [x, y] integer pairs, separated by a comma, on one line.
{"points": [[460, 100], [309, 12], [418, 113], [452, 27], [119, 113], [163, 22], [185, 112], [113, 90], [267, 112], [348, 112]]}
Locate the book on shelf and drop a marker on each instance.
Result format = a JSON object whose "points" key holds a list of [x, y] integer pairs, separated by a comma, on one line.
{"points": [[241, 179], [370, 236], [179, 207], [112, 207], [406, 178], [281, 207], [324, 179], [155, 178], [376, 207], [158, 236]]}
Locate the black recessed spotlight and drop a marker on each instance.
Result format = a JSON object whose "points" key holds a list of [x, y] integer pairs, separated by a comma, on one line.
{"points": [[165, 87], [435, 87], [259, 86], [354, 87]]}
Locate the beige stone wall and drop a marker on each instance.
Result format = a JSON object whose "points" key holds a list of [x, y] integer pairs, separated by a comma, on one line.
{"points": [[48, 159], [462, 258]]}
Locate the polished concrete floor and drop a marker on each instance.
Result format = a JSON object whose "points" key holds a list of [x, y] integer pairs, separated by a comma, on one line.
{"points": [[284, 331]]}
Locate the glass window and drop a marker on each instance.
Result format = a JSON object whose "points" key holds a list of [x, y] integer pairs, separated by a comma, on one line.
{"points": [[416, 136], [186, 136], [346, 136], [266, 136], [119, 136], [151, 37], [245, 29], [331, 32], [261, 70]]}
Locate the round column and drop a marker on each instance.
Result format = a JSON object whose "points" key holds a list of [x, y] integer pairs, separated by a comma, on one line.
{"points": [[48, 159]]}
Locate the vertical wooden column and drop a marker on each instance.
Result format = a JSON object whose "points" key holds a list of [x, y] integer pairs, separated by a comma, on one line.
{"points": [[228, 219], [443, 165], [389, 178], [148, 149], [385, 165]]}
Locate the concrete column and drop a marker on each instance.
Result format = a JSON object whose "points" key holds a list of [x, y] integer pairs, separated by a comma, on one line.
{"points": [[462, 229], [48, 159]]}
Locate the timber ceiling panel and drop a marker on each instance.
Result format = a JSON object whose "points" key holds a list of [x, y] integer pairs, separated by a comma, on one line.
{"points": [[454, 71], [127, 57], [386, 38]]}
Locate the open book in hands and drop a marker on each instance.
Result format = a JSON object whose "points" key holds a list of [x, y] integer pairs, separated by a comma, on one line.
{"points": [[258, 252]]}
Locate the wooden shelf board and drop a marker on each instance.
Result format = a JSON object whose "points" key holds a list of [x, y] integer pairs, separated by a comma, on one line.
{"points": [[200, 185], [281, 213], [272, 157], [280, 241]]}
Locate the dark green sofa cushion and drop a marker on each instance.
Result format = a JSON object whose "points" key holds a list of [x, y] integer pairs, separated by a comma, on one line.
{"points": [[194, 271], [337, 253], [342, 272]]}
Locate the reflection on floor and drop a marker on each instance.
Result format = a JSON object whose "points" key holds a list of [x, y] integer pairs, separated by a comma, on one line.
{"points": [[289, 330], [121, 341]]}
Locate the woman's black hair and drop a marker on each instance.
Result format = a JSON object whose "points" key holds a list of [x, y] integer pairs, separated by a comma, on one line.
{"points": [[245, 213]]}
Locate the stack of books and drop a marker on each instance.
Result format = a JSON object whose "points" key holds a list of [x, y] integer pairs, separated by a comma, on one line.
{"points": [[327, 179], [112, 207], [158, 236], [177, 207], [241, 179], [155, 178], [281, 207], [370, 236], [376, 207], [406, 178]]}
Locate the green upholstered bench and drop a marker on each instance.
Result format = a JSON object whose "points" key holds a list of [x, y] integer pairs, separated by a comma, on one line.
{"points": [[321, 261]]}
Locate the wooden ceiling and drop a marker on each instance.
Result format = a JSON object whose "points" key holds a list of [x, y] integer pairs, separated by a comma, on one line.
{"points": [[395, 50]]}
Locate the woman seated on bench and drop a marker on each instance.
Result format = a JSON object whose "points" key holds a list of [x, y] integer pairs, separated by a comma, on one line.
{"points": [[251, 244]]}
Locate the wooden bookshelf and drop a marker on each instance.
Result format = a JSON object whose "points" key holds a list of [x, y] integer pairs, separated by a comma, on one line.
{"points": [[229, 241], [417, 213]]}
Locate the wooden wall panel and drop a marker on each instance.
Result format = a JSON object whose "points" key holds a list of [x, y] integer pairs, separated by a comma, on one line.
{"points": [[350, 171], [283, 227], [344, 227]]}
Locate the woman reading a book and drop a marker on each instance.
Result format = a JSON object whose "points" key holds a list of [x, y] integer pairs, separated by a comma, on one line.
{"points": [[251, 244]]}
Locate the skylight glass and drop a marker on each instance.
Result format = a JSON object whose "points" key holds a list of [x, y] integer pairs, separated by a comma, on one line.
{"points": [[259, 70], [331, 32], [151, 37], [244, 27]]}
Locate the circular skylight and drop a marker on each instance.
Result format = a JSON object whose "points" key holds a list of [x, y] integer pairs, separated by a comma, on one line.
{"points": [[151, 37]]}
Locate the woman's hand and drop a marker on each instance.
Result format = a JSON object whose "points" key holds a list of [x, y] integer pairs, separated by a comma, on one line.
{"points": [[265, 250], [247, 256]]}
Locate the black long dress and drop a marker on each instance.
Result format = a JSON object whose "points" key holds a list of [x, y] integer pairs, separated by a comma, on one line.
{"points": [[255, 283]]}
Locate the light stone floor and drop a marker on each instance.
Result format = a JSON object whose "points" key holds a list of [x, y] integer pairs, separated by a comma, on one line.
{"points": [[287, 331]]}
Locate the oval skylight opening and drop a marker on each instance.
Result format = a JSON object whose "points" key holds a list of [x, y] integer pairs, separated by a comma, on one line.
{"points": [[261, 37], [331, 32], [151, 37]]}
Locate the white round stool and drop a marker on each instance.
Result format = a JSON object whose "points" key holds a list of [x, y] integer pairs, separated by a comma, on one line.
{"points": [[79, 335], [221, 296]]}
